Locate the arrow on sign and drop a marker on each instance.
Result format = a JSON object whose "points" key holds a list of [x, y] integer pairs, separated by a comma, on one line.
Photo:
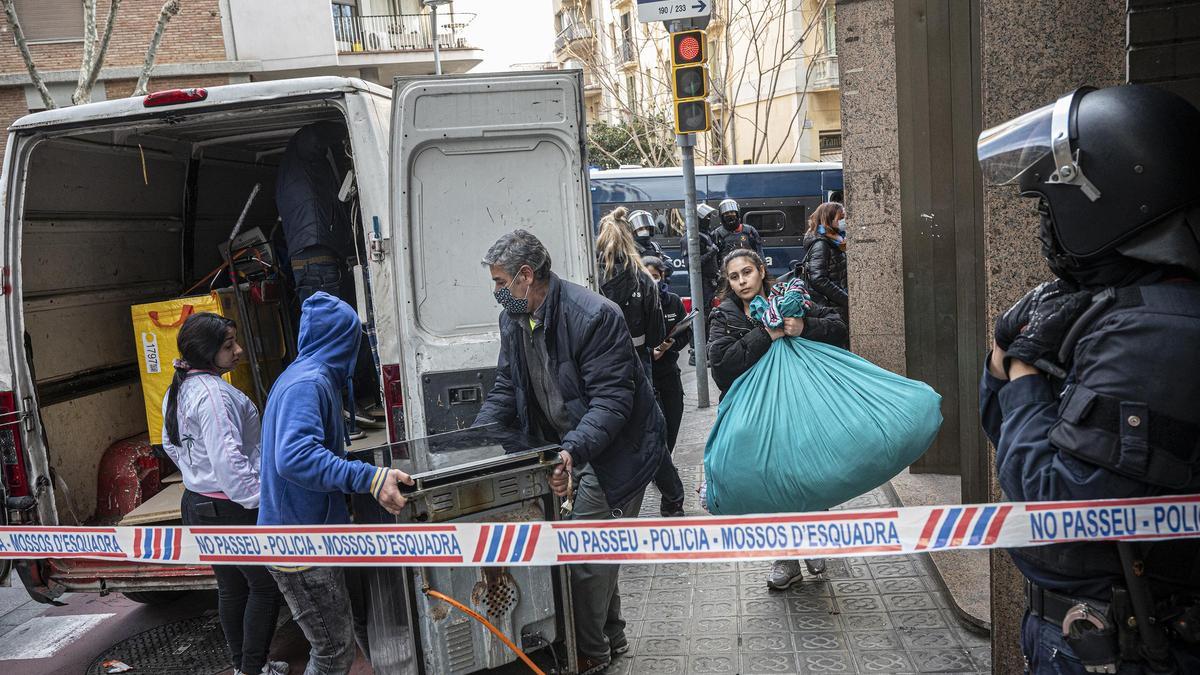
{"points": [[699, 6]]}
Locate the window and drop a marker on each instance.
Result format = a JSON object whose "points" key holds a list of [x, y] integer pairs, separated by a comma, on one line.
{"points": [[831, 145], [830, 29], [343, 25], [51, 20], [766, 222], [626, 52], [631, 93]]}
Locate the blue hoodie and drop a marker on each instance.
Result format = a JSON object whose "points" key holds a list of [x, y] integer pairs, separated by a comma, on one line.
{"points": [[304, 470]]}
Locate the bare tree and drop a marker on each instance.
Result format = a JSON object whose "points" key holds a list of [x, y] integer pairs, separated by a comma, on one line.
{"points": [[89, 71], [647, 131], [169, 9], [10, 11], [95, 48], [759, 32]]}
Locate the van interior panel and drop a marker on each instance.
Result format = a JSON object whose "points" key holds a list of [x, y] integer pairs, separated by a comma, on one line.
{"points": [[123, 216]]}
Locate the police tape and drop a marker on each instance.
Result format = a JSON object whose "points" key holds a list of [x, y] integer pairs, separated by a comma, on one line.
{"points": [[872, 532]]}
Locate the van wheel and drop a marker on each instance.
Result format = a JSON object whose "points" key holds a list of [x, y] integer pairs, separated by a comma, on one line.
{"points": [[154, 597]]}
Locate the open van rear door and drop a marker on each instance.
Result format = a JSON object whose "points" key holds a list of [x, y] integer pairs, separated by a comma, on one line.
{"points": [[474, 157]]}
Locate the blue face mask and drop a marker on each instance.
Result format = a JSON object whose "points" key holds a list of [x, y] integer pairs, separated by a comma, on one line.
{"points": [[511, 304], [842, 227]]}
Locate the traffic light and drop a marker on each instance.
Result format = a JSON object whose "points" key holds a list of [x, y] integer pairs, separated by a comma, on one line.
{"points": [[689, 81]]}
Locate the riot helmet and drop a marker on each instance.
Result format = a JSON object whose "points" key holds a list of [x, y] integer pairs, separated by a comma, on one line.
{"points": [[1106, 165], [642, 224], [728, 209], [703, 211]]}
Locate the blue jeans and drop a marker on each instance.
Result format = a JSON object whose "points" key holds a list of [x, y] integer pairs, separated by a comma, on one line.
{"points": [[1047, 653], [321, 604]]}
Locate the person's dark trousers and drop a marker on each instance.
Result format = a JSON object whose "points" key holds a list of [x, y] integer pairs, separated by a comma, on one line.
{"points": [[321, 271], [669, 393], [321, 605], [247, 597], [1047, 653]]}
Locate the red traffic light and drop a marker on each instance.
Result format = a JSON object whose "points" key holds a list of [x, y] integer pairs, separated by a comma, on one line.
{"points": [[687, 48]]}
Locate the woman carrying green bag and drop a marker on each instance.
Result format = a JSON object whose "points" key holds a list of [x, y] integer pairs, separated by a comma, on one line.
{"points": [[736, 342]]}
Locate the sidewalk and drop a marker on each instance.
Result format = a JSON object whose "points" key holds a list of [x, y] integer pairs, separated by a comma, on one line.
{"points": [[868, 615]]}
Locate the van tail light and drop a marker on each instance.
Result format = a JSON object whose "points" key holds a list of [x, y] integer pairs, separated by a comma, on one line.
{"points": [[393, 401], [12, 455], [174, 97]]}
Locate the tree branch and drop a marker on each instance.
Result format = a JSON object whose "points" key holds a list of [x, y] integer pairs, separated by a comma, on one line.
{"points": [[88, 77], [10, 11], [89, 51], [169, 9]]}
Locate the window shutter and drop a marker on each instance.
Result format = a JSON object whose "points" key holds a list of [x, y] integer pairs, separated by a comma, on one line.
{"points": [[51, 19]]}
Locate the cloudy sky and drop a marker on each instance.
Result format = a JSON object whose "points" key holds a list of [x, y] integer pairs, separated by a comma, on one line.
{"points": [[510, 31]]}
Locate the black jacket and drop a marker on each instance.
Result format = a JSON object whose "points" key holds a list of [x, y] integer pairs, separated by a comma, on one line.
{"points": [[736, 343], [306, 192], [619, 429], [710, 261], [667, 366], [825, 271], [744, 237], [636, 293]]}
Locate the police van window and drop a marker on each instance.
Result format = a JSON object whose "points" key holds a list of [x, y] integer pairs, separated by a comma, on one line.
{"points": [[766, 222]]}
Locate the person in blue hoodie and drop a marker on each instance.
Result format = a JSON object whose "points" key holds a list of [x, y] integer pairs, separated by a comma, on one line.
{"points": [[305, 474]]}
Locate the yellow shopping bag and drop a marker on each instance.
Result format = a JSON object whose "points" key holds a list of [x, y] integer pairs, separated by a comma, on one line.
{"points": [[156, 326]]}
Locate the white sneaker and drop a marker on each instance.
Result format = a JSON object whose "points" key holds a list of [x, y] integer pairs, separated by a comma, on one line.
{"points": [[271, 668]]}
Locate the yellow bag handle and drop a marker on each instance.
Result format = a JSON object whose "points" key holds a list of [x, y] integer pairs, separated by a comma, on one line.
{"points": [[187, 311]]}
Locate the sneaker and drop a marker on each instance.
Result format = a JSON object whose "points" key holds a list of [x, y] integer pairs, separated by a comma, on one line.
{"points": [[364, 420], [815, 566], [671, 509], [784, 573], [590, 665], [271, 668], [357, 435], [618, 646]]}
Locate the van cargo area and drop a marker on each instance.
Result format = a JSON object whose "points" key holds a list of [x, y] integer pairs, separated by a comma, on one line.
{"points": [[118, 216]]}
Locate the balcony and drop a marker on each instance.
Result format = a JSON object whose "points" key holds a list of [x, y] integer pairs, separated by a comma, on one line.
{"points": [[399, 32], [577, 35], [627, 56], [823, 76]]}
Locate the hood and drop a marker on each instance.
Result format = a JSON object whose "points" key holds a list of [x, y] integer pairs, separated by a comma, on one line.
{"points": [[329, 333]]}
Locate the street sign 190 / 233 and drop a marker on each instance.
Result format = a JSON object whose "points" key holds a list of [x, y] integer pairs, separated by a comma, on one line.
{"points": [[650, 11]]}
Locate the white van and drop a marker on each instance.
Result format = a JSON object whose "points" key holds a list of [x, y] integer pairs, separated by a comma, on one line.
{"points": [[124, 202]]}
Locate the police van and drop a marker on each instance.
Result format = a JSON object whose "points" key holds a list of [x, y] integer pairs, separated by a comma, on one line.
{"points": [[126, 202]]}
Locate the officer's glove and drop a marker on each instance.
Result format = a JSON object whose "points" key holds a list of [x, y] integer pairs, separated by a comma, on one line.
{"points": [[1010, 324], [1049, 322]]}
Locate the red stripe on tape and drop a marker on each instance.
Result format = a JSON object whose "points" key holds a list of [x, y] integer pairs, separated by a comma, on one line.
{"points": [[961, 530], [323, 529], [997, 525], [505, 543], [927, 531], [479, 546], [531, 543], [690, 555], [725, 520]]}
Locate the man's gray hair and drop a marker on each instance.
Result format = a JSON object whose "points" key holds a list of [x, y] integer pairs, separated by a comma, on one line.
{"points": [[516, 250]]}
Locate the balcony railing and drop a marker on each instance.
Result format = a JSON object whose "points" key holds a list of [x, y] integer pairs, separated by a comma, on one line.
{"points": [[575, 31], [399, 32], [824, 74]]}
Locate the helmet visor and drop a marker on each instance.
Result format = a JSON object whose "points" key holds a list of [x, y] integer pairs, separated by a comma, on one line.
{"points": [[640, 220], [1007, 150]]}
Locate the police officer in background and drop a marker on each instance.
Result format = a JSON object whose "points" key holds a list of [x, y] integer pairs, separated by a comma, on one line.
{"points": [[1092, 386], [644, 228], [733, 234]]}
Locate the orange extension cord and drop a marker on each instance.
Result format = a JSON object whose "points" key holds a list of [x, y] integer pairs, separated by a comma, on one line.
{"points": [[479, 617]]}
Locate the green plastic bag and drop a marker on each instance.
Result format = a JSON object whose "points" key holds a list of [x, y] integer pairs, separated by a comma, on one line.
{"points": [[811, 426]]}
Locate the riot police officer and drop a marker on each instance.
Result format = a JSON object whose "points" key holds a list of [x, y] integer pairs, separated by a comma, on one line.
{"points": [[643, 230], [733, 233], [1092, 384]]}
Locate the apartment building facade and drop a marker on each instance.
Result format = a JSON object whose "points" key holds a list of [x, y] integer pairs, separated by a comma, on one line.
{"points": [[774, 81], [214, 42]]}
